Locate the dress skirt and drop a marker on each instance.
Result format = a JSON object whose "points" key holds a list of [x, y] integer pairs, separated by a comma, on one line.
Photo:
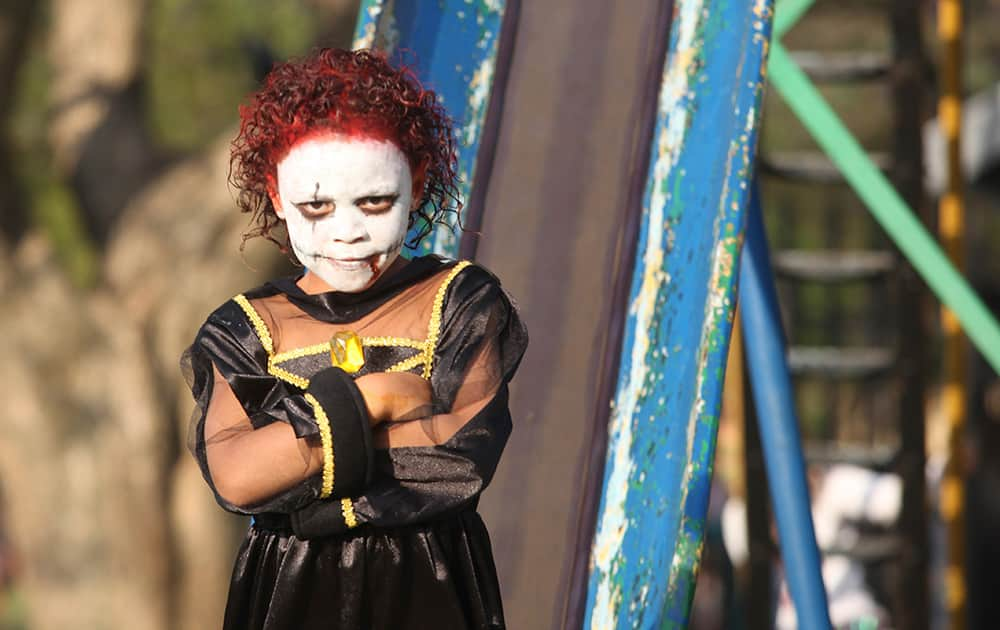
{"points": [[438, 575]]}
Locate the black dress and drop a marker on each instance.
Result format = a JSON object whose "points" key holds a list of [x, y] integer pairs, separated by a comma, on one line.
{"points": [[393, 540]]}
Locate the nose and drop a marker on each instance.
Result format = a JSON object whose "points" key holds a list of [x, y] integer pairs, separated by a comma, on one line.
{"points": [[348, 225]]}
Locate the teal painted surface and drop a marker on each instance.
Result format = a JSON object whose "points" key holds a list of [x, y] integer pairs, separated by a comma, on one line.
{"points": [[789, 12], [651, 520], [452, 45]]}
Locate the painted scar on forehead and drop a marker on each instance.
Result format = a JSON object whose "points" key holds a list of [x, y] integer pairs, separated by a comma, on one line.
{"points": [[315, 199]]}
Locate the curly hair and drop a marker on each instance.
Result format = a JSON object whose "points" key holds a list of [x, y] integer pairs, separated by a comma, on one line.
{"points": [[352, 92]]}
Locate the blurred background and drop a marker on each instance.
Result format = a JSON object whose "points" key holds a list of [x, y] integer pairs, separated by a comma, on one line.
{"points": [[118, 235]]}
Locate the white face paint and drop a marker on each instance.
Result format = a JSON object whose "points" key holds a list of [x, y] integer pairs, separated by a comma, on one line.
{"points": [[345, 201]]}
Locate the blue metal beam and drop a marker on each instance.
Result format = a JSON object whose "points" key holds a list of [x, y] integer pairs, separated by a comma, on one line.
{"points": [[779, 430], [664, 419]]}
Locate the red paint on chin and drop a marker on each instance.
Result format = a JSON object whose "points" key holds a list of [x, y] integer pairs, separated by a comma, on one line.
{"points": [[373, 265]]}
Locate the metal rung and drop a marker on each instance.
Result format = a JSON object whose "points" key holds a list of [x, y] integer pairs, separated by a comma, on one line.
{"points": [[871, 548], [833, 265], [879, 459], [840, 362], [843, 67], [812, 166]]}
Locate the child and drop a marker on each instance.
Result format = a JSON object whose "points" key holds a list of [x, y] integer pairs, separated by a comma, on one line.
{"points": [[356, 411]]}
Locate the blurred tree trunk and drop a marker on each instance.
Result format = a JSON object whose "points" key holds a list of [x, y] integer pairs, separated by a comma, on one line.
{"points": [[98, 136], [106, 506], [17, 18]]}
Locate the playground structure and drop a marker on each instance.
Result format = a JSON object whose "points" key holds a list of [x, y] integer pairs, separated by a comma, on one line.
{"points": [[642, 520]]}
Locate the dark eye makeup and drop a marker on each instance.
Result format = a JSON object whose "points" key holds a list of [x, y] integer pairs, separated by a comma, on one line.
{"points": [[372, 204], [377, 203], [315, 208]]}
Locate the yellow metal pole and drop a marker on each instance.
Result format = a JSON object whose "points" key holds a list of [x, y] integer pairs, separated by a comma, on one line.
{"points": [[729, 449], [951, 220]]}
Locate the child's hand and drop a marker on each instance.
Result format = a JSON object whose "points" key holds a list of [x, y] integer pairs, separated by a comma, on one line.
{"points": [[395, 396]]}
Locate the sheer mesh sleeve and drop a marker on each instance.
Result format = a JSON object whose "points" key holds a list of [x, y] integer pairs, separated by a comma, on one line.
{"points": [[441, 462], [260, 447], [467, 373]]}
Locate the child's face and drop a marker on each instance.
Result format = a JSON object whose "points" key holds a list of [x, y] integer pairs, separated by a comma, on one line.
{"points": [[345, 201]]}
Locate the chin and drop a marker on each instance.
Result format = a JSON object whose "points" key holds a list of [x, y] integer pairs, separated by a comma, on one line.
{"points": [[347, 281], [352, 277]]}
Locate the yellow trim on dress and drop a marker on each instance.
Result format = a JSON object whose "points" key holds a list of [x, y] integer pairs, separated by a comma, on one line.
{"points": [[408, 364], [433, 329], [326, 440], [289, 377], [274, 368], [426, 346], [347, 509], [298, 353], [369, 342], [258, 323]]}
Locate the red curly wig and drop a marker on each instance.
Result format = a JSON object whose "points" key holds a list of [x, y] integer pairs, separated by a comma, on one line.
{"points": [[351, 92]]}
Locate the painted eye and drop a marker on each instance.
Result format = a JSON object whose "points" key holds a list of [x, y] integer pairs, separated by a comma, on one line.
{"points": [[377, 203], [316, 208]]}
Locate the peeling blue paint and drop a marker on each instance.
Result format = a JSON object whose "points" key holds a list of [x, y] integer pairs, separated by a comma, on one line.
{"points": [[651, 519]]}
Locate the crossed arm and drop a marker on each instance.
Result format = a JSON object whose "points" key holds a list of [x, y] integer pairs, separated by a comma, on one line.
{"points": [[261, 446], [251, 465]]}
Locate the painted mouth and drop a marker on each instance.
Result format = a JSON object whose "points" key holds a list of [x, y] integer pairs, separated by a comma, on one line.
{"points": [[349, 264]]}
